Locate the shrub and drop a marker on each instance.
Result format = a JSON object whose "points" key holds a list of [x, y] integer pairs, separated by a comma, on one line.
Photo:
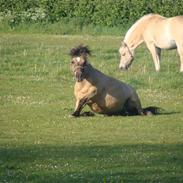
{"points": [[83, 12]]}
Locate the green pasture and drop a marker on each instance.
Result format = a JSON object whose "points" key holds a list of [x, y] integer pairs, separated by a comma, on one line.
{"points": [[41, 143]]}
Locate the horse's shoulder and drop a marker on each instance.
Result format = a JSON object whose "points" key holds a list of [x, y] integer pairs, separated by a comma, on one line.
{"points": [[80, 85], [83, 88]]}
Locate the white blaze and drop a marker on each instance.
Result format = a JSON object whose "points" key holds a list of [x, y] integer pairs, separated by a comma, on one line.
{"points": [[78, 59]]}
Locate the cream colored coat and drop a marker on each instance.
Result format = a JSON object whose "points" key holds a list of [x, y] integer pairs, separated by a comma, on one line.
{"points": [[104, 95], [158, 33]]}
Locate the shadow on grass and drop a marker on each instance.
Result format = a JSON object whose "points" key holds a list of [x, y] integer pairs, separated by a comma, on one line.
{"points": [[149, 111], [123, 163]]}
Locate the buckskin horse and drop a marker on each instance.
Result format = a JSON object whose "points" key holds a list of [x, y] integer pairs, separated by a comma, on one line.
{"points": [[103, 94]]}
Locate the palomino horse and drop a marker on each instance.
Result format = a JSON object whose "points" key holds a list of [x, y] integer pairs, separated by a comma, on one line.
{"points": [[158, 33], [103, 94]]}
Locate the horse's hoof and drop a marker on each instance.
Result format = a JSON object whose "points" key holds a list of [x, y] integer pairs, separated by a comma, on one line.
{"points": [[142, 114], [74, 114], [87, 114], [149, 113]]}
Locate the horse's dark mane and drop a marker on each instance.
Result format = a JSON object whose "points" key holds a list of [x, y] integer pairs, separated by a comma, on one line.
{"points": [[80, 50]]}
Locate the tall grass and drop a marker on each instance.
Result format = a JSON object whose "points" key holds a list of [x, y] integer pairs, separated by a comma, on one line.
{"points": [[63, 28], [40, 142]]}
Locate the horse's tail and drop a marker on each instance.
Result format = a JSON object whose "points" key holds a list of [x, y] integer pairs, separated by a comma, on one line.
{"points": [[152, 110]]}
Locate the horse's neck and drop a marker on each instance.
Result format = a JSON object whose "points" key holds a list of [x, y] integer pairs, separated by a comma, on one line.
{"points": [[134, 36], [91, 74], [134, 39]]}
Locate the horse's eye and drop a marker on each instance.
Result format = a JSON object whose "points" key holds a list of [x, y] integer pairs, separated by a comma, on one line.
{"points": [[72, 62], [123, 54]]}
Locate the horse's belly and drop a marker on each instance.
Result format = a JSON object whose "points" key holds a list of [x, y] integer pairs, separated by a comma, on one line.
{"points": [[168, 44], [164, 36], [113, 103], [109, 105], [95, 108]]}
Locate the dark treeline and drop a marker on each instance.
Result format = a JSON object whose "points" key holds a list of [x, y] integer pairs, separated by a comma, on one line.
{"points": [[96, 12]]}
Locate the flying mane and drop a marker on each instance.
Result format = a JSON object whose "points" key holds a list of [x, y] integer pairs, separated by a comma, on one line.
{"points": [[80, 50]]}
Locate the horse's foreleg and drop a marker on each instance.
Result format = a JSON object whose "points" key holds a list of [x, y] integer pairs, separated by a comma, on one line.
{"points": [[180, 51], [156, 53], [79, 106], [181, 64], [82, 100]]}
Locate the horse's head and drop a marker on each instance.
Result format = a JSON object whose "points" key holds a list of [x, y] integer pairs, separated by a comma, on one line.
{"points": [[77, 67], [126, 55], [79, 61]]}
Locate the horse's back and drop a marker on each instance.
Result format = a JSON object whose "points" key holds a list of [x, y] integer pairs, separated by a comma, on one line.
{"points": [[164, 32], [176, 23], [158, 22], [177, 19], [113, 91], [176, 26], [116, 88]]}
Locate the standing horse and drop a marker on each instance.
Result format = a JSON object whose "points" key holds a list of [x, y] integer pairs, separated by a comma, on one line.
{"points": [[103, 94], [158, 33]]}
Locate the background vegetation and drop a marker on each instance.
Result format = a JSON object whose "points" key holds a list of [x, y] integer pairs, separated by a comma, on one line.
{"points": [[76, 16]]}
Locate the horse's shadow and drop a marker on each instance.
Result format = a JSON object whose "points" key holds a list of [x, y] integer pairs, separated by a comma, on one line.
{"points": [[124, 113]]}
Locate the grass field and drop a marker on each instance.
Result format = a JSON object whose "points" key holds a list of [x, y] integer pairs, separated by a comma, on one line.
{"points": [[40, 142]]}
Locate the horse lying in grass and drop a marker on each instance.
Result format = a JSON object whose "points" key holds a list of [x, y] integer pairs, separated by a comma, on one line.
{"points": [[103, 94], [158, 33]]}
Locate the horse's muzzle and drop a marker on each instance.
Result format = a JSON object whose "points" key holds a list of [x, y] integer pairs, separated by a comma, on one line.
{"points": [[79, 79], [123, 68], [78, 76]]}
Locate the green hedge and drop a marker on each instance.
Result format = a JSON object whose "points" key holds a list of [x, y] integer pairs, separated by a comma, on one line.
{"points": [[96, 12]]}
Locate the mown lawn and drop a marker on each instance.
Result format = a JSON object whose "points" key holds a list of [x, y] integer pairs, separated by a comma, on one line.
{"points": [[40, 142]]}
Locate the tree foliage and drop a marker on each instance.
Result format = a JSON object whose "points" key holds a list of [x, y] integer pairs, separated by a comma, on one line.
{"points": [[96, 12]]}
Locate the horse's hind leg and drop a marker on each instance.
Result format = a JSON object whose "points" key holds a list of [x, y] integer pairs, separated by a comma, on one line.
{"points": [[180, 51], [134, 105], [156, 54]]}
